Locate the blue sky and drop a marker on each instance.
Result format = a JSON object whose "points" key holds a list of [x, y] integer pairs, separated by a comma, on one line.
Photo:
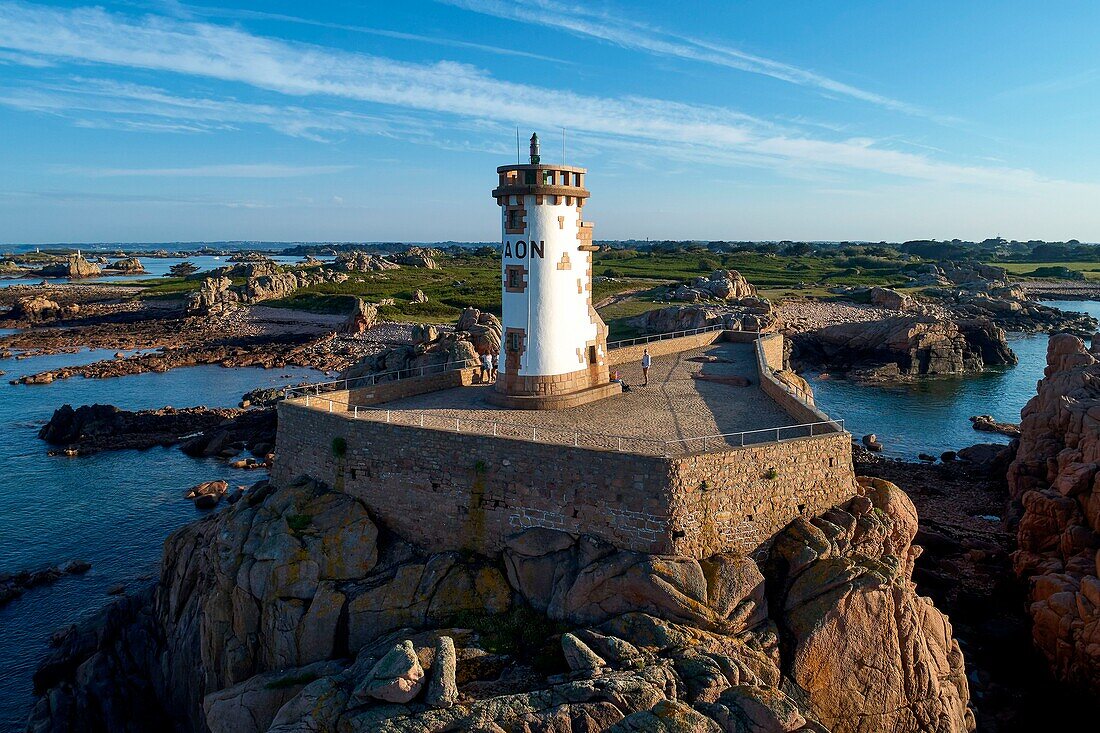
{"points": [[167, 121]]}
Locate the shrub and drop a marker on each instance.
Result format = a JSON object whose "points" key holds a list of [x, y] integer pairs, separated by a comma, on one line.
{"points": [[339, 447]]}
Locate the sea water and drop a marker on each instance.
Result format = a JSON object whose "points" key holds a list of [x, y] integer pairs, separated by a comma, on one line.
{"points": [[932, 415], [113, 509], [155, 268]]}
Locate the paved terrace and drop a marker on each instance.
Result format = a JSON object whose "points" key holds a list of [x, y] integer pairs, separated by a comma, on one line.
{"points": [[675, 414]]}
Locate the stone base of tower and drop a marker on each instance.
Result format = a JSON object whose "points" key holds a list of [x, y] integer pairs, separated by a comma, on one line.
{"points": [[554, 392], [554, 401]]}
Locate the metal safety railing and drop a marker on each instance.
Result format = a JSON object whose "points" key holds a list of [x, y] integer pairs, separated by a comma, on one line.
{"points": [[370, 380], [574, 438], [663, 336]]}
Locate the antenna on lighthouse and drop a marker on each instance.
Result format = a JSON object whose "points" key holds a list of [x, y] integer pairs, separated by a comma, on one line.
{"points": [[563, 146], [518, 160]]}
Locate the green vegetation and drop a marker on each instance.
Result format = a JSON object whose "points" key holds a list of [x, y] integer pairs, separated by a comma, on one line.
{"points": [[766, 270], [521, 632], [640, 271], [339, 447], [298, 523], [1091, 270], [183, 269]]}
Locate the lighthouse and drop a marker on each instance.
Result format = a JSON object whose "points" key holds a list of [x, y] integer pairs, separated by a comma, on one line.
{"points": [[554, 350]]}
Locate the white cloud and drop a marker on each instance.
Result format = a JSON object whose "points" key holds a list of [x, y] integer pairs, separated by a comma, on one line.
{"points": [[240, 170], [366, 30], [622, 31], [716, 134]]}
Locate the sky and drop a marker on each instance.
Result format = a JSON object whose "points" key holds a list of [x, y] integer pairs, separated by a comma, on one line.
{"points": [[163, 120]]}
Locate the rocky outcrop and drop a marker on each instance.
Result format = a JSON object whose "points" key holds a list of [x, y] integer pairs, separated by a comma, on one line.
{"points": [[9, 267], [217, 295], [432, 351], [988, 424], [978, 291], [13, 585], [419, 257], [214, 297], [129, 265], [38, 308], [292, 610], [363, 262], [748, 314], [484, 330], [890, 299], [1054, 482], [905, 346], [362, 318], [92, 428], [200, 431], [75, 268], [269, 287], [719, 285]]}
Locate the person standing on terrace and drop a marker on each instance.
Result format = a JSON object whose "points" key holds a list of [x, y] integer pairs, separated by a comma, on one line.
{"points": [[486, 368], [646, 361]]}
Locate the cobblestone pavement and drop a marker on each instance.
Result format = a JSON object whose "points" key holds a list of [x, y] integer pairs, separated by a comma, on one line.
{"points": [[673, 407]]}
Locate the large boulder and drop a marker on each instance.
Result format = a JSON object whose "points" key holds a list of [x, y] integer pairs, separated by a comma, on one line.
{"points": [[887, 660], [75, 268], [363, 262], [362, 318], [907, 345], [129, 265], [214, 297], [396, 677], [890, 299], [749, 314], [35, 308], [418, 257], [585, 581]]}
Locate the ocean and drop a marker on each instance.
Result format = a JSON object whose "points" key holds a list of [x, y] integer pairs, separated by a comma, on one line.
{"points": [[112, 509], [933, 415]]}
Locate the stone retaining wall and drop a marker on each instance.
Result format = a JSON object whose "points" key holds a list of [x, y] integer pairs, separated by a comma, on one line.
{"points": [[447, 490], [769, 357], [625, 354], [450, 491], [737, 499], [409, 387]]}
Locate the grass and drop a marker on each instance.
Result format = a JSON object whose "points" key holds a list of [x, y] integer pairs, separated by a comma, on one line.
{"points": [[1091, 270], [763, 270]]}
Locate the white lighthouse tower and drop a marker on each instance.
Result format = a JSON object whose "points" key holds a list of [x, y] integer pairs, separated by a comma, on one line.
{"points": [[554, 351]]}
